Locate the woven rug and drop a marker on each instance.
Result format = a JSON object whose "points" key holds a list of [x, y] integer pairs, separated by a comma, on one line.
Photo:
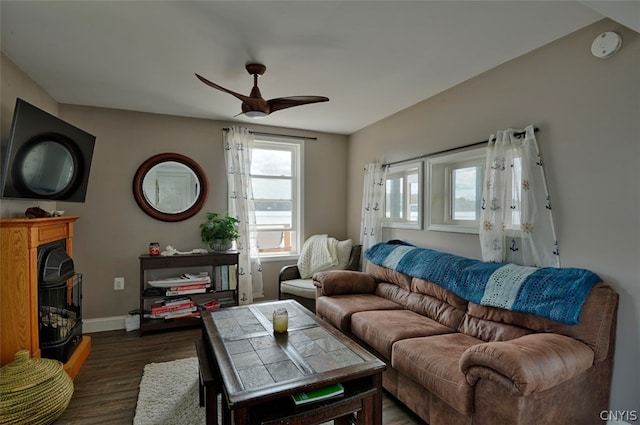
{"points": [[169, 394]]}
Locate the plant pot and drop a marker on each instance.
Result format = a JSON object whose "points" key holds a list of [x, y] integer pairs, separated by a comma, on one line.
{"points": [[219, 245]]}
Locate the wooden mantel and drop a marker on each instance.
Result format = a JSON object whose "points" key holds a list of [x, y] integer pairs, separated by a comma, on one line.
{"points": [[19, 242]]}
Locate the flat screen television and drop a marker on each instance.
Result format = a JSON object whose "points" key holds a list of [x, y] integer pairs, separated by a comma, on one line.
{"points": [[45, 157]]}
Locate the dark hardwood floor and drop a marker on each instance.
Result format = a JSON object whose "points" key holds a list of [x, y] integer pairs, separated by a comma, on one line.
{"points": [[106, 389]]}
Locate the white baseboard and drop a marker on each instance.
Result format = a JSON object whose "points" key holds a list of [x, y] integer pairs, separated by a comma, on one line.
{"points": [[103, 324]]}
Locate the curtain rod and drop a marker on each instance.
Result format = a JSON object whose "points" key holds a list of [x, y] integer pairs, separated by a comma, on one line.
{"points": [[258, 133], [470, 145]]}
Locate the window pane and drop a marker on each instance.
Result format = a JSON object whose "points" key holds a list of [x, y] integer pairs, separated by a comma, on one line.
{"points": [[269, 162], [271, 188], [270, 241], [394, 201], [274, 215], [465, 191], [414, 197]]}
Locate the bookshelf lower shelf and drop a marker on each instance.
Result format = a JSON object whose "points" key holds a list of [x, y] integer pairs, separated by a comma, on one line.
{"points": [[150, 325], [224, 298], [212, 260]]}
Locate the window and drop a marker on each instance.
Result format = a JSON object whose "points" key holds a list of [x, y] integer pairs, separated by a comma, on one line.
{"points": [[403, 197], [455, 191], [276, 180]]}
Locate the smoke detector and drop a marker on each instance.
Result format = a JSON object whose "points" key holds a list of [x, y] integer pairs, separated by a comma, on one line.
{"points": [[606, 44]]}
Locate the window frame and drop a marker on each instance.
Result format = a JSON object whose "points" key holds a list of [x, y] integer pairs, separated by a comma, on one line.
{"points": [[297, 203], [440, 191], [404, 170]]}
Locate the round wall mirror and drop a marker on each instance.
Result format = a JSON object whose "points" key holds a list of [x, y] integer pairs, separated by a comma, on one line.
{"points": [[170, 187]]}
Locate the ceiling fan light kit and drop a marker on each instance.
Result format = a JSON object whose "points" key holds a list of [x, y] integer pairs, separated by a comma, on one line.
{"points": [[254, 105], [255, 114]]}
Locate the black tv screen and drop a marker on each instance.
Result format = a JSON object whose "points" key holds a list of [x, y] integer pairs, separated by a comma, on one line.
{"points": [[45, 157]]}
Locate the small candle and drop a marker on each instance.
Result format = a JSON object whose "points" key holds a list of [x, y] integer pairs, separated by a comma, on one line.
{"points": [[280, 320], [154, 248]]}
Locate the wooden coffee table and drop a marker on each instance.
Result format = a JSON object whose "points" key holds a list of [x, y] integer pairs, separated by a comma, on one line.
{"points": [[258, 371]]}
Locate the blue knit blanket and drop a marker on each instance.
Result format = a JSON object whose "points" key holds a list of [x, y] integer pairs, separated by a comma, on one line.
{"points": [[553, 293]]}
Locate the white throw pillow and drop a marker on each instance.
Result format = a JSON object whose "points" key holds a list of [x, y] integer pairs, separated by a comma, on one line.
{"points": [[344, 253]]}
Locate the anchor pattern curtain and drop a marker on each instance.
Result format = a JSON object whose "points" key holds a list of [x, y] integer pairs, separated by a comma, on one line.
{"points": [[237, 155], [516, 223], [373, 204]]}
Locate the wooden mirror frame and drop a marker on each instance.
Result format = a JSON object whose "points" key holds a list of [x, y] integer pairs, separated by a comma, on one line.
{"points": [[138, 191]]}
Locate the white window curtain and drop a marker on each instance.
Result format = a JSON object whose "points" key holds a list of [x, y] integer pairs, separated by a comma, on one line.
{"points": [[516, 224], [237, 155], [373, 204]]}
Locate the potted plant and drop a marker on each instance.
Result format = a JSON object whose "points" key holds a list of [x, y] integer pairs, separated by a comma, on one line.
{"points": [[219, 232]]}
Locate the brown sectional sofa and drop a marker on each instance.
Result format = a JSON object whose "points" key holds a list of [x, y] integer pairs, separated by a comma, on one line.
{"points": [[452, 361]]}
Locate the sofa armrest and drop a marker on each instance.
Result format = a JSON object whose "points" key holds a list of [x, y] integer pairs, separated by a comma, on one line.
{"points": [[289, 273], [342, 282], [531, 363]]}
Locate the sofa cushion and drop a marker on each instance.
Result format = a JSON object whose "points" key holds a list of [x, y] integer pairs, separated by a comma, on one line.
{"points": [[597, 321], [338, 309], [342, 282], [435, 309], [488, 330], [433, 362], [421, 286], [393, 292], [300, 287], [384, 274], [381, 328]]}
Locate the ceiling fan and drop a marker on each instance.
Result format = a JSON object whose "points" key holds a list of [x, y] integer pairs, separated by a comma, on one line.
{"points": [[254, 105]]}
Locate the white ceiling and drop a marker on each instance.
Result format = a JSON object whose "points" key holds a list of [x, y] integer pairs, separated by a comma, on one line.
{"points": [[371, 59]]}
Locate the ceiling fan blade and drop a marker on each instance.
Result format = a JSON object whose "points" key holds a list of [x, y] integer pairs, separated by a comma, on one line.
{"points": [[288, 102], [217, 87], [254, 105]]}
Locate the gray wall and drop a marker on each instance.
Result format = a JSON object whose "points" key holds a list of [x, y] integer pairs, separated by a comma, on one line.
{"points": [[588, 112], [112, 231]]}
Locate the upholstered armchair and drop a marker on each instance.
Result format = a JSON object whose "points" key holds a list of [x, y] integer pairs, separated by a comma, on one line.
{"points": [[293, 286]]}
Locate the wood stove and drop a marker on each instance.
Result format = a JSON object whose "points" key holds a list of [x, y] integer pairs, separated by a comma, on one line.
{"points": [[59, 302]]}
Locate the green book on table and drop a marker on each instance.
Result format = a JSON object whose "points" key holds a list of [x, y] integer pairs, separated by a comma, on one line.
{"points": [[318, 394]]}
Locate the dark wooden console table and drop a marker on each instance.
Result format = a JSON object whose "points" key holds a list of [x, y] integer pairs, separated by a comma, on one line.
{"points": [[258, 371]]}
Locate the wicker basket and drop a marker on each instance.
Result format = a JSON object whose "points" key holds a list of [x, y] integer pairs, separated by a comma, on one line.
{"points": [[33, 391]]}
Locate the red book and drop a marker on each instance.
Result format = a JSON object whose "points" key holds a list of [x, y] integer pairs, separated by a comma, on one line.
{"points": [[168, 308]]}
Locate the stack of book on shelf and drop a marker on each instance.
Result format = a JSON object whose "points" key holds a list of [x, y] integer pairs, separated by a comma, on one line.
{"points": [[184, 284], [174, 308]]}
